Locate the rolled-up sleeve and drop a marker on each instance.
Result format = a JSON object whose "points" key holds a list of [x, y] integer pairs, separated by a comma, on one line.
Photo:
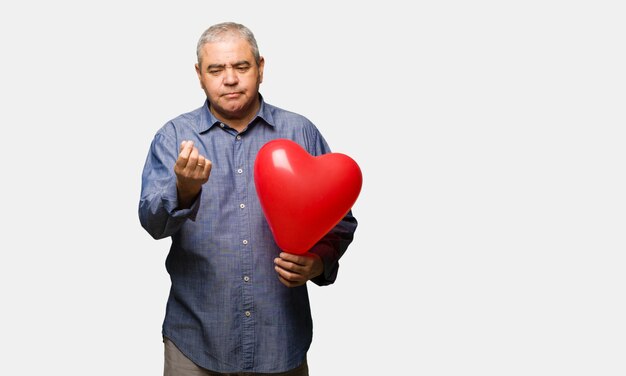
{"points": [[332, 246], [158, 212]]}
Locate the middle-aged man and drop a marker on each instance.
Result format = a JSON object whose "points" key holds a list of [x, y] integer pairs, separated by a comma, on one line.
{"points": [[237, 304]]}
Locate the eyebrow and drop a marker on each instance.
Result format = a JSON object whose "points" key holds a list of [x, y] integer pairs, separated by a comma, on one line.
{"points": [[237, 64]]}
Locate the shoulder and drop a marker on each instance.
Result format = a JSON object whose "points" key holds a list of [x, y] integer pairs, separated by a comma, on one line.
{"points": [[187, 119], [282, 118], [184, 123], [297, 127]]}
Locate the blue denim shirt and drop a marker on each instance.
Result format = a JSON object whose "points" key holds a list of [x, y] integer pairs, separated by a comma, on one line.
{"points": [[227, 311]]}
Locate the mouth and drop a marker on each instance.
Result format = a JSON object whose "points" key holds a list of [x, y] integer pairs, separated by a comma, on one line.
{"points": [[232, 95]]}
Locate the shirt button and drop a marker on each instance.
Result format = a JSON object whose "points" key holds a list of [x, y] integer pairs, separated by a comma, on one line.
{"points": [[239, 171], [238, 137], [242, 205], [245, 242], [246, 278], [222, 125], [248, 314]]}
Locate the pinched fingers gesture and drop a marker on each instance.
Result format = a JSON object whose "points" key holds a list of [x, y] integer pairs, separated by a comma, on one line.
{"points": [[191, 169]]}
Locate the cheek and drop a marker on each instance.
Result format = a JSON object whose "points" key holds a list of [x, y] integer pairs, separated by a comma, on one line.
{"points": [[210, 86]]}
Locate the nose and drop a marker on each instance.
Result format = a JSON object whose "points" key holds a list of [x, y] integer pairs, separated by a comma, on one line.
{"points": [[230, 76]]}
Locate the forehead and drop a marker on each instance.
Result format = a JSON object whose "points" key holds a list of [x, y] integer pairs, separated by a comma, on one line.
{"points": [[226, 51]]}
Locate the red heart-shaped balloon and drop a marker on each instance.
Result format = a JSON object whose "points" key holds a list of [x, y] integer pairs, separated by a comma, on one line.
{"points": [[303, 197]]}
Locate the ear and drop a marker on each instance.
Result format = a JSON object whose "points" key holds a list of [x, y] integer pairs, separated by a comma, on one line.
{"points": [[261, 66], [198, 72]]}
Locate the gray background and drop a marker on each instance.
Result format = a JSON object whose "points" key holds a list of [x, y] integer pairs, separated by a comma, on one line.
{"points": [[489, 133]]}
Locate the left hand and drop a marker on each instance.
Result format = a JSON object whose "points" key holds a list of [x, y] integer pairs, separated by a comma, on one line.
{"points": [[296, 270]]}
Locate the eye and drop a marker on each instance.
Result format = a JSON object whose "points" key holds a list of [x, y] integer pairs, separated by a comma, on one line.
{"points": [[243, 68], [215, 71]]}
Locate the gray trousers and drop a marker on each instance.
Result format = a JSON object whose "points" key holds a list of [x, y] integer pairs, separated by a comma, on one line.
{"points": [[177, 364]]}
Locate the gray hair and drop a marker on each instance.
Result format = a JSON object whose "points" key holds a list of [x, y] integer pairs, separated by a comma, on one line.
{"points": [[222, 31]]}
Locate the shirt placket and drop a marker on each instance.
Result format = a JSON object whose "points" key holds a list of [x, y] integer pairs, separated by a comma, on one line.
{"points": [[247, 310]]}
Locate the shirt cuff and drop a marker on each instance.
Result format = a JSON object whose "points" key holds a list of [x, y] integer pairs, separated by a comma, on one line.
{"points": [[330, 258], [170, 203]]}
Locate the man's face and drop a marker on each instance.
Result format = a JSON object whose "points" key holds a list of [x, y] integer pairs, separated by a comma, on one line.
{"points": [[230, 78]]}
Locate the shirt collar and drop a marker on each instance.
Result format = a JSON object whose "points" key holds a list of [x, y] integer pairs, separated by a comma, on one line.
{"points": [[208, 120]]}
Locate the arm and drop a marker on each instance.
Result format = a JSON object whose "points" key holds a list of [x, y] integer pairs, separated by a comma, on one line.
{"points": [[321, 263], [171, 184], [332, 246]]}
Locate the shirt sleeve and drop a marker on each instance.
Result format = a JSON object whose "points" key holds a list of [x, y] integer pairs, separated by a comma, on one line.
{"points": [[332, 246], [158, 212]]}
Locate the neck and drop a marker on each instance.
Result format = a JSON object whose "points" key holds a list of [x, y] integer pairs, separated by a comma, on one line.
{"points": [[238, 123]]}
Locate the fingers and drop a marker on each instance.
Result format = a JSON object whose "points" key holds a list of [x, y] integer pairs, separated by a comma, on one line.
{"points": [[207, 168], [200, 161], [292, 263], [192, 171], [192, 162], [296, 259], [290, 283], [295, 270], [183, 156], [288, 278], [190, 159], [189, 155], [288, 270]]}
